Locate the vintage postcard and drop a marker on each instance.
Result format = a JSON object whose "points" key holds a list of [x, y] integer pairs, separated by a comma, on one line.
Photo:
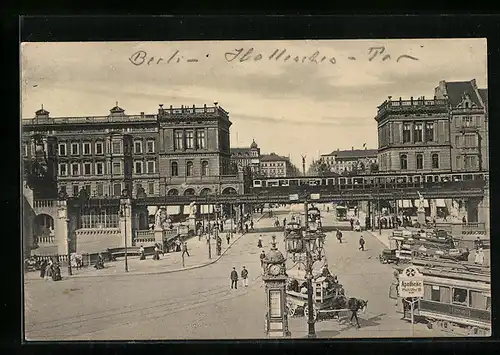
{"points": [[255, 189]]}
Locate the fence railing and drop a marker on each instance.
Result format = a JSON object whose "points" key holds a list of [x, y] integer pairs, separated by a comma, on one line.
{"points": [[144, 237], [45, 239]]}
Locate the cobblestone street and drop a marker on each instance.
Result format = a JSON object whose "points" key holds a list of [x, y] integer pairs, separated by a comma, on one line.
{"points": [[199, 304]]}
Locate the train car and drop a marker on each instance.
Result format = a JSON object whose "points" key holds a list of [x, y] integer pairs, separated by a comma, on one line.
{"points": [[457, 297], [336, 184]]}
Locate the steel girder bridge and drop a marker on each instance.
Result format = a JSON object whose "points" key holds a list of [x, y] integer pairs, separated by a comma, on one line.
{"points": [[351, 195]]}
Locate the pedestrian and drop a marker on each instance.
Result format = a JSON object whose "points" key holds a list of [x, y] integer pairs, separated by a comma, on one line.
{"points": [[259, 243], [284, 222], [361, 244], [476, 257], [354, 308], [339, 236], [244, 276], [234, 279], [481, 256], [464, 220], [43, 268], [156, 255], [141, 253], [251, 224], [352, 223], [185, 249], [262, 257], [246, 227]]}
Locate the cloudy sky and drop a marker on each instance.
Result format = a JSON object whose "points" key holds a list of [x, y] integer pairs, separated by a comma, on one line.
{"points": [[288, 107]]}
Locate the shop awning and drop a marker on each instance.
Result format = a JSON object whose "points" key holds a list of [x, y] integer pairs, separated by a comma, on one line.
{"points": [[417, 203], [440, 203], [206, 209], [404, 204], [173, 210]]}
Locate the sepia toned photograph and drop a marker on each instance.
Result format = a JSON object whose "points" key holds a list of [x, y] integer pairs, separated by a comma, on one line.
{"points": [[291, 189]]}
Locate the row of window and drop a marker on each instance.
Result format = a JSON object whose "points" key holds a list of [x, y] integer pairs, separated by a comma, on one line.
{"points": [[85, 148], [466, 141], [460, 296], [174, 168], [403, 159], [272, 164], [466, 162], [101, 189], [186, 139], [418, 132], [98, 168], [468, 121]]}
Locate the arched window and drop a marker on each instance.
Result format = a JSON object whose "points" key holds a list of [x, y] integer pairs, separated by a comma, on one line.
{"points": [[403, 161], [420, 161], [204, 168], [435, 161], [189, 168], [175, 169]]}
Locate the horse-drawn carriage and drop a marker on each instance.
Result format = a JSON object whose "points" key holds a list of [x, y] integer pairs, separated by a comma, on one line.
{"points": [[329, 299]]}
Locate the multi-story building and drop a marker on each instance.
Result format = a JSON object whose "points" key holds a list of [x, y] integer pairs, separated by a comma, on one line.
{"points": [[413, 135], [346, 161], [273, 165], [468, 122], [247, 157], [177, 151], [446, 133]]}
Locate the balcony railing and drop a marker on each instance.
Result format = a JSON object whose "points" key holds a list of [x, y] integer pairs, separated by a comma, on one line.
{"points": [[438, 105], [88, 119], [186, 110], [44, 203], [45, 239]]}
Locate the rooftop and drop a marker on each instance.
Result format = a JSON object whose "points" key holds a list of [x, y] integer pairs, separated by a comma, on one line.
{"points": [[456, 91], [353, 153], [273, 157]]}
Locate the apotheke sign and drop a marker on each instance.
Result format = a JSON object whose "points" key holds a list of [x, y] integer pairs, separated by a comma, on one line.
{"points": [[411, 283]]}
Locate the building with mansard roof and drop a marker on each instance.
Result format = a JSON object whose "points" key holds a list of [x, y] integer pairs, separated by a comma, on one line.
{"points": [[446, 133], [247, 157]]}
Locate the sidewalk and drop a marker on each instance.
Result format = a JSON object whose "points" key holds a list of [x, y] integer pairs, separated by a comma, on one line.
{"points": [[168, 263]]}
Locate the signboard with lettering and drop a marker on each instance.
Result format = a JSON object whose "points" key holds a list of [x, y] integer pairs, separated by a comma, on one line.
{"points": [[275, 303], [294, 197], [411, 283], [315, 196]]}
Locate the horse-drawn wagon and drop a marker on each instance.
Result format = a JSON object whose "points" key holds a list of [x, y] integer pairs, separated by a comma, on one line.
{"points": [[329, 299]]}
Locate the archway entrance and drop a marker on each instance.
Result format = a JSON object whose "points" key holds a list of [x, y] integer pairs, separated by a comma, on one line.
{"points": [[44, 228], [173, 192], [229, 191]]}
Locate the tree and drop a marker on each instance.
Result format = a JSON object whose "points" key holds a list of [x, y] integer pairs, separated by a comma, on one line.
{"points": [[319, 168]]}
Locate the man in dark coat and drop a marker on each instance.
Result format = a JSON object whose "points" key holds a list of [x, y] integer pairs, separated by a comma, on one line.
{"points": [[339, 235], [244, 276], [361, 243], [234, 279], [354, 306], [262, 256]]}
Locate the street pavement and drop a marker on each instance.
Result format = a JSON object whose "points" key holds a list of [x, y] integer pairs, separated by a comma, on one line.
{"points": [[199, 304]]}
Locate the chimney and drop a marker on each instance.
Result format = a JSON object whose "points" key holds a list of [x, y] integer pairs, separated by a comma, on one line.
{"points": [[473, 83], [411, 99], [352, 148], [142, 114]]}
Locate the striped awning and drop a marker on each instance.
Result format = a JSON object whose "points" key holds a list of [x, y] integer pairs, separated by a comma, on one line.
{"points": [[206, 209], [404, 204]]}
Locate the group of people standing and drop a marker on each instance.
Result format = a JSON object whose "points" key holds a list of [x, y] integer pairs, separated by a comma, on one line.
{"points": [[234, 277], [50, 269]]}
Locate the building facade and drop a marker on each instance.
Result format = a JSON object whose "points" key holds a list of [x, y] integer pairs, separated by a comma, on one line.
{"points": [[177, 151], [468, 122], [247, 157], [274, 165], [346, 161], [446, 133]]}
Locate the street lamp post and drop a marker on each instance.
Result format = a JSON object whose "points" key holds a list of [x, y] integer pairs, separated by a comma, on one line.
{"points": [[209, 229], [70, 272], [124, 211], [311, 333]]}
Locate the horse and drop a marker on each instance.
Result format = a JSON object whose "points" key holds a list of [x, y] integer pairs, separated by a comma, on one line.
{"points": [[353, 304]]}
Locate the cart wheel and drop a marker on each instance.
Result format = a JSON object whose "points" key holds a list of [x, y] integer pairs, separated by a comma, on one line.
{"points": [[306, 312], [429, 325], [291, 309]]}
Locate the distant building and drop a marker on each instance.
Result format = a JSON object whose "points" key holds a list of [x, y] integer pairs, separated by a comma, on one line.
{"points": [[346, 161], [243, 157], [446, 133], [273, 165]]}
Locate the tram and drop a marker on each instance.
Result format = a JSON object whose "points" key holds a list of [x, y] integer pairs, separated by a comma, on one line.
{"points": [[457, 297]]}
